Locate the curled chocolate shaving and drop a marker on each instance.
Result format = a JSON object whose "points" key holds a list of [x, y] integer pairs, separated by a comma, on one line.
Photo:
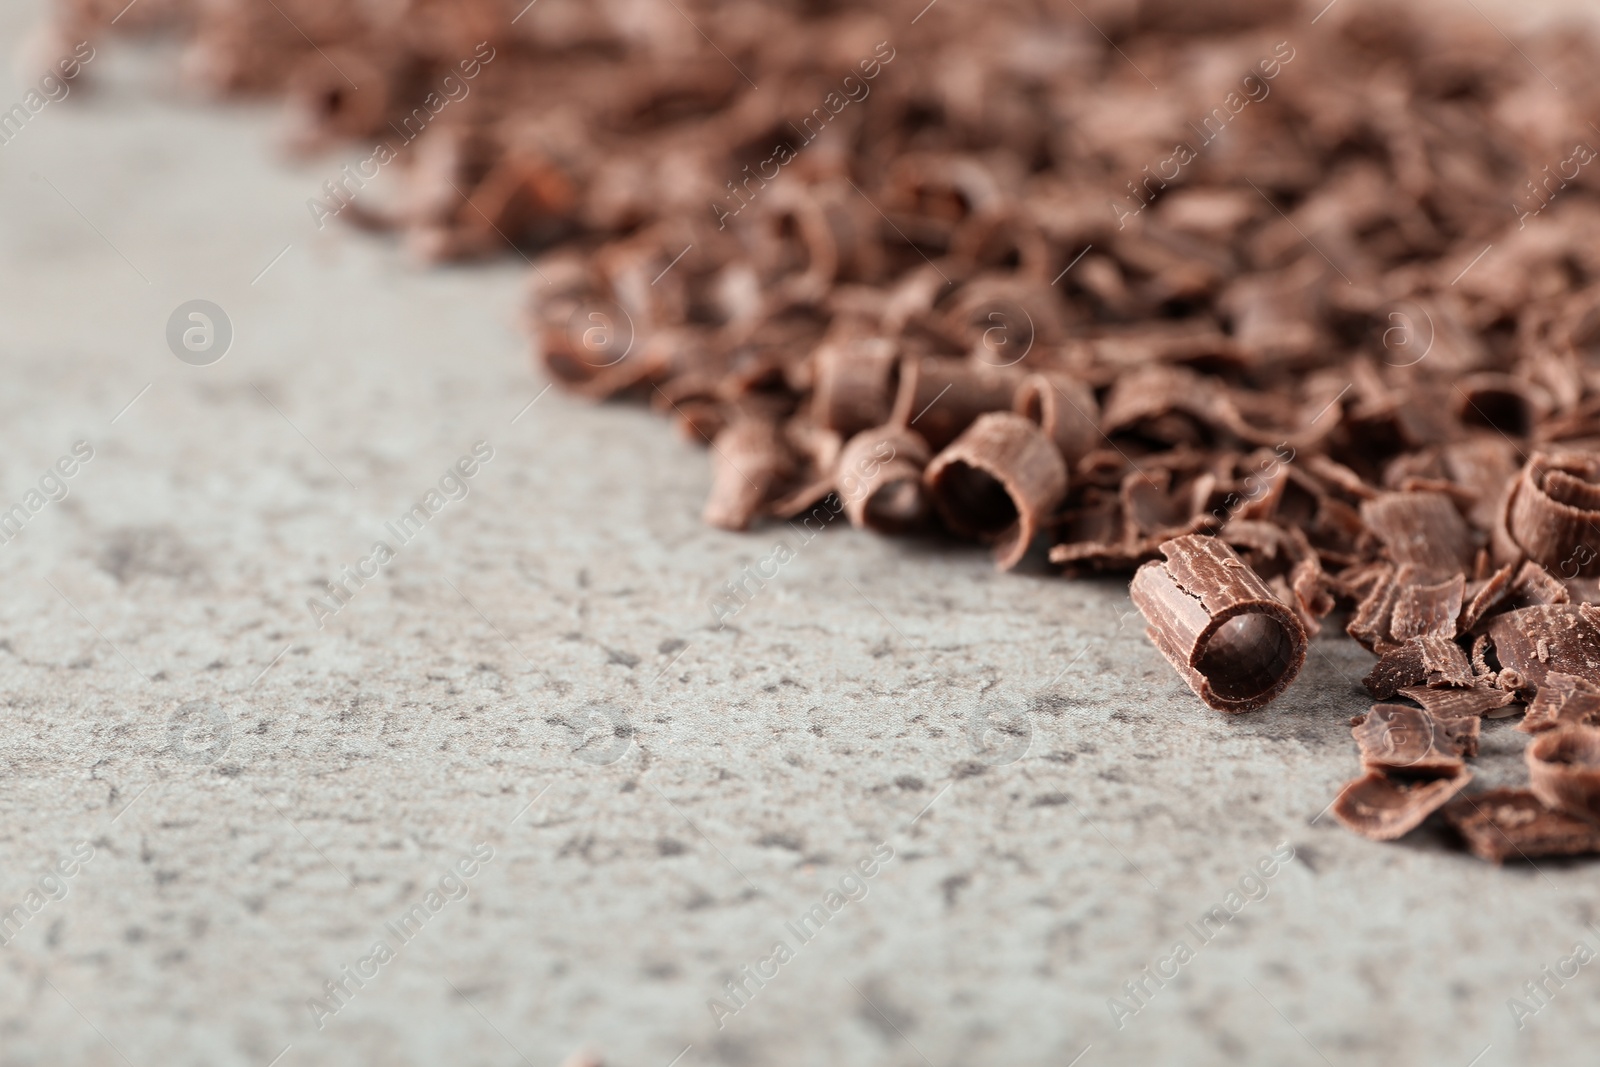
{"points": [[1564, 770], [1503, 823], [1235, 643], [1065, 409], [855, 383], [940, 398], [1383, 807], [750, 461], [998, 483], [880, 480], [1552, 514]]}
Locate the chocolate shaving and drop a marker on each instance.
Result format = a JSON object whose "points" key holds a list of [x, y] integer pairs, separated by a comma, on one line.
{"points": [[1503, 823], [1551, 514], [1562, 700], [1383, 807], [1427, 610], [1564, 770], [1533, 642], [1431, 661], [1395, 737], [1420, 528], [880, 480], [998, 483], [1458, 703], [1235, 643]]}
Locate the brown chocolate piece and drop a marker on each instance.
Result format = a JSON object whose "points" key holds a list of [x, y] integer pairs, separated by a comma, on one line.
{"points": [[1427, 610], [998, 482], [1535, 641], [1564, 770], [749, 464], [855, 383], [1505, 823], [1562, 700], [880, 480], [1458, 703], [1552, 514], [1383, 807], [940, 398], [1487, 597], [1065, 409], [1397, 737], [1421, 528], [1429, 661], [1235, 643]]}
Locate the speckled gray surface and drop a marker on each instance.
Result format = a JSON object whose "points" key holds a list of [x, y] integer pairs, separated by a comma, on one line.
{"points": [[459, 701]]}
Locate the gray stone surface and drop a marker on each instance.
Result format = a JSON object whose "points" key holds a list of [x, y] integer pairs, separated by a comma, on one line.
{"points": [[637, 865]]}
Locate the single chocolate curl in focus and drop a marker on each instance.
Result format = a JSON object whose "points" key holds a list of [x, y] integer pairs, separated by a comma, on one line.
{"points": [[1564, 770], [1552, 515], [939, 398], [1235, 643], [1065, 409], [749, 462], [998, 483], [880, 480]]}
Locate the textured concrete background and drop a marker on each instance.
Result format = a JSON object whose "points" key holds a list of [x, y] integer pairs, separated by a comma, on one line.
{"points": [[1041, 856]]}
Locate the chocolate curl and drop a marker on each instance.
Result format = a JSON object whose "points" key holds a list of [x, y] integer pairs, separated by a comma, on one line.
{"points": [[1564, 770], [1552, 514], [1065, 409], [1381, 808], [749, 461], [1503, 823], [939, 398], [855, 383], [998, 483], [1214, 619], [880, 480]]}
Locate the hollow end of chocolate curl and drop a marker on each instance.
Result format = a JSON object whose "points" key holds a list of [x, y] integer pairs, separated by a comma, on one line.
{"points": [[1248, 658], [1552, 509], [1219, 624], [998, 483], [879, 478], [1564, 770], [1064, 408]]}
